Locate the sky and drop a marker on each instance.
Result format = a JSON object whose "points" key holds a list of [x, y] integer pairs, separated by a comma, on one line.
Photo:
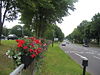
{"points": [[85, 10]]}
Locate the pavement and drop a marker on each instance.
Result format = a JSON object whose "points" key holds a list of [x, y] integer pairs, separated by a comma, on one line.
{"points": [[76, 51]]}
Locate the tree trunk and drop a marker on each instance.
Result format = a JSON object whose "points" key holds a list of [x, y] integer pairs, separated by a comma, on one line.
{"points": [[98, 39], [1, 28], [1, 24]]}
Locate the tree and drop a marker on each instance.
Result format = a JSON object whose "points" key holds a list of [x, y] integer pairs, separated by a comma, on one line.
{"points": [[53, 31], [45, 12], [96, 26], [82, 32], [5, 31], [17, 30], [8, 11]]}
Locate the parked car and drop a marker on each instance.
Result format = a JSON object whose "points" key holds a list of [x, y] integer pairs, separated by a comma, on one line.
{"points": [[12, 37], [2, 37]]}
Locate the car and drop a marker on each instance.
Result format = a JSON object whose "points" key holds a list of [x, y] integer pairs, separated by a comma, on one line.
{"points": [[67, 42], [63, 44], [85, 45], [2, 37], [12, 37]]}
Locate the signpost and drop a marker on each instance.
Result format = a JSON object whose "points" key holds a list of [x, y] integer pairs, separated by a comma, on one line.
{"points": [[55, 39]]}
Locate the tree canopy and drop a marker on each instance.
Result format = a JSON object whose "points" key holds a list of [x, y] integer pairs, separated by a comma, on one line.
{"points": [[41, 13], [87, 30]]}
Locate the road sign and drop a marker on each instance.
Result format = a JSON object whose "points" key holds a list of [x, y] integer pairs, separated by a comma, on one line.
{"points": [[55, 39]]}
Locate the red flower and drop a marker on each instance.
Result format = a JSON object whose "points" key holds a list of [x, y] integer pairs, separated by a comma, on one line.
{"points": [[25, 47], [37, 41], [20, 41], [37, 51], [32, 44], [30, 50], [19, 45], [44, 44], [32, 38], [39, 48], [33, 55]]}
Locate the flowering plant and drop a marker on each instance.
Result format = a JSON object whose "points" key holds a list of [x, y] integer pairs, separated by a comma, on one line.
{"points": [[31, 47]]}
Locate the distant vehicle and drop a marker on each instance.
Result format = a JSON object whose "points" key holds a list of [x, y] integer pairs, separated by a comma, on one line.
{"points": [[63, 44], [67, 42], [85, 45], [2, 37], [12, 37]]}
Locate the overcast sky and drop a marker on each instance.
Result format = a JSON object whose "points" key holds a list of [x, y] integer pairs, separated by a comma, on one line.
{"points": [[85, 10]]}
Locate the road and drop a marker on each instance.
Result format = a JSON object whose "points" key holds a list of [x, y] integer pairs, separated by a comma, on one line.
{"points": [[93, 55]]}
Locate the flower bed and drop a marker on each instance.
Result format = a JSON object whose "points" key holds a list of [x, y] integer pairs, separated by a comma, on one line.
{"points": [[27, 50]]}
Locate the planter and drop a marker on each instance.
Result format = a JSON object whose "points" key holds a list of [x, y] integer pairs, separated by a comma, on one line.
{"points": [[27, 60]]}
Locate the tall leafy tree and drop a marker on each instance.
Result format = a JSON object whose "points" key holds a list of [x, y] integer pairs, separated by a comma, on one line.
{"points": [[81, 32], [17, 30], [54, 31], [8, 11], [96, 26], [44, 12]]}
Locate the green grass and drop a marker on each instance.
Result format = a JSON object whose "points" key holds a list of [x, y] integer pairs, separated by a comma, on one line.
{"points": [[6, 64], [57, 62]]}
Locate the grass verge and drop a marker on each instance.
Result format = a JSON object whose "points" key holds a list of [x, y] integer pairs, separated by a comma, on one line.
{"points": [[6, 64], [57, 62]]}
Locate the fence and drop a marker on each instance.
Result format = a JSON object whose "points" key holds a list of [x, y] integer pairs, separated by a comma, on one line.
{"points": [[17, 70], [21, 71]]}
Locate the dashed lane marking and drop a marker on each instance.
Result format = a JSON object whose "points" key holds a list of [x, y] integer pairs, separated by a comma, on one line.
{"points": [[96, 57]]}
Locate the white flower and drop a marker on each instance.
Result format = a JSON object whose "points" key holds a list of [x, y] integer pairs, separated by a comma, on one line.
{"points": [[19, 53], [15, 57], [9, 56], [6, 53], [19, 57]]}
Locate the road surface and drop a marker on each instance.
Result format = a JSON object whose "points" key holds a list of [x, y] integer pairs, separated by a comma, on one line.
{"points": [[93, 55]]}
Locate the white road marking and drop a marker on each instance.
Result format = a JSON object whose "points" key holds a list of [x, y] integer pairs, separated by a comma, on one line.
{"points": [[96, 57], [85, 58]]}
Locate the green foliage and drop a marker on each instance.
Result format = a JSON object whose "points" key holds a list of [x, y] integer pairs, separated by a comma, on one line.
{"points": [[6, 65], [87, 30], [21, 31], [17, 30], [42, 13], [53, 31], [81, 32], [95, 25], [9, 13], [5, 31]]}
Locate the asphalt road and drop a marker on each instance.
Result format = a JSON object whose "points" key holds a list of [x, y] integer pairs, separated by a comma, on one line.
{"points": [[93, 55]]}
